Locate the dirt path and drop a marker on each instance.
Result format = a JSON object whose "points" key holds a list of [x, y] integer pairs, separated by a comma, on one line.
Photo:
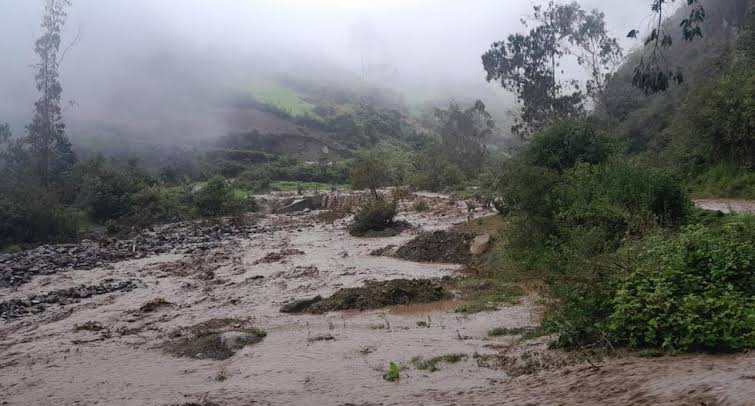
{"points": [[104, 350]]}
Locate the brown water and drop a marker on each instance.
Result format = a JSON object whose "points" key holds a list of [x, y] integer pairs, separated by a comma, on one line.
{"points": [[44, 361]]}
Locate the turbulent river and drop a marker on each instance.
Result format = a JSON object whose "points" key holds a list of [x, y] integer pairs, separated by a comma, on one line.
{"points": [[109, 347]]}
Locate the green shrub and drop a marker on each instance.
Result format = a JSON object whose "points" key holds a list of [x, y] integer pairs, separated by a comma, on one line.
{"points": [[566, 228], [725, 180], [374, 168], [608, 203], [255, 180], [216, 198], [693, 292], [104, 190], [720, 115], [376, 215], [567, 144], [521, 187], [35, 216], [157, 204], [434, 173]]}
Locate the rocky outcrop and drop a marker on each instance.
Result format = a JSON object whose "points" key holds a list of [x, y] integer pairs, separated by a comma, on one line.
{"points": [[16, 308], [181, 238]]}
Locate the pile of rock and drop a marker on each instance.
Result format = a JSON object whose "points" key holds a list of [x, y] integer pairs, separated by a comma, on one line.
{"points": [[16, 308], [181, 238]]}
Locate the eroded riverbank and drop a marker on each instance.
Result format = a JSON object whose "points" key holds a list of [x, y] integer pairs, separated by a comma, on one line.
{"points": [[109, 348]]}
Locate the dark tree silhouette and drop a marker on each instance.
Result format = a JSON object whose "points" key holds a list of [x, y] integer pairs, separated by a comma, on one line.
{"points": [[46, 133], [461, 134], [529, 64], [653, 73]]}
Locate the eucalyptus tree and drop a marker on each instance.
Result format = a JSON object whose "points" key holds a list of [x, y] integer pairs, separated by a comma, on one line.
{"points": [[462, 132], [46, 133], [653, 73], [530, 65]]}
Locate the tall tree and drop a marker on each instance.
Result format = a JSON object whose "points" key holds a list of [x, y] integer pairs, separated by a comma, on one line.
{"points": [[461, 134], [529, 64], [46, 133], [653, 73]]}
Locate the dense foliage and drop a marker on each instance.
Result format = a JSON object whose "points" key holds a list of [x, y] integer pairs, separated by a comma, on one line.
{"points": [[695, 291], [601, 230]]}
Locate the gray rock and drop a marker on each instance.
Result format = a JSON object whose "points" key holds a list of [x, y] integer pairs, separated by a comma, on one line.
{"points": [[299, 305], [480, 244], [235, 340]]}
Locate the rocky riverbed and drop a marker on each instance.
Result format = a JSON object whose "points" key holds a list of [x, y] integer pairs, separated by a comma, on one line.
{"points": [[190, 314]]}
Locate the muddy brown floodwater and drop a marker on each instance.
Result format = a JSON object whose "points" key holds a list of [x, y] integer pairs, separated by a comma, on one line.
{"points": [[104, 350]]}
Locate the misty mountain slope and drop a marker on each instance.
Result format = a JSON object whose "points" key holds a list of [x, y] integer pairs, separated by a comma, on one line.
{"points": [[313, 120], [642, 120]]}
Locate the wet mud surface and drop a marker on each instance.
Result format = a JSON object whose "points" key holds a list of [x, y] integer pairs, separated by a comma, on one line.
{"points": [[202, 325]]}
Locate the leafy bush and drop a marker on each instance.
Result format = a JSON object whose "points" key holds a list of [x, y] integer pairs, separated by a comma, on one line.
{"points": [[157, 204], [104, 190], [379, 166], [217, 199], [564, 145], [433, 173], [565, 227], [255, 180], [35, 216], [694, 292], [725, 180], [617, 200], [521, 187], [720, 114], [376, 215]]}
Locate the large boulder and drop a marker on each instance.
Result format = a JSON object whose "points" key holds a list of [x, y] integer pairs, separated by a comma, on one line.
{"points": [[299, 305], [479, 245]]}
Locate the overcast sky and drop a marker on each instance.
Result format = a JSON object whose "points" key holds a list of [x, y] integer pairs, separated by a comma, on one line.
{"points": [[129, 47]]}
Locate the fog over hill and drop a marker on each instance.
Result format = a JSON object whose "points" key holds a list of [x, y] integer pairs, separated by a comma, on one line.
{"points": [[166, 67]]}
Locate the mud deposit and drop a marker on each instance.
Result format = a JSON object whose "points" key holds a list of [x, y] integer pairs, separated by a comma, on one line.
{"points": [[376, 295], [438, 246], [202, 325]]}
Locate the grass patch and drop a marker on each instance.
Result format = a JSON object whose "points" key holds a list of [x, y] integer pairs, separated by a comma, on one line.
{"points": [[293, 186], [483, 295], [283, 98], [241, 193], [527, 333], [431, 364], [483, 225], [393, 373]]}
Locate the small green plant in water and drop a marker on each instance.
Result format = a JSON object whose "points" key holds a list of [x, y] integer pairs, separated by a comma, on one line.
{"points": [[527, 333], [393, 374]]}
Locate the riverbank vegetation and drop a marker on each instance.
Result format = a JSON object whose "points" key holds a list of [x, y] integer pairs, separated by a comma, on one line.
{"points": [[594, 199]]}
